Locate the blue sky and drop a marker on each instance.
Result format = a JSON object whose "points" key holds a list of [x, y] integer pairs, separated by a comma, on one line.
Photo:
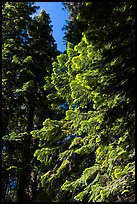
{"points": [[58, 17]]}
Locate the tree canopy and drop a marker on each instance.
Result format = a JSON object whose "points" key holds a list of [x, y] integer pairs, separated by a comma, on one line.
{"points": [[69, 119], [28, 50]]}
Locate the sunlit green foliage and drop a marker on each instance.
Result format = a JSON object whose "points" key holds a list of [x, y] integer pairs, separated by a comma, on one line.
{"points": [[96, 162], [72, 119]]}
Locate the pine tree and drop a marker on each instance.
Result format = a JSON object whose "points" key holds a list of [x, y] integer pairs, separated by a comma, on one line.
{"points": [[15, 21], [90, 153], [25, 64], [71, 125], [73, 28]]}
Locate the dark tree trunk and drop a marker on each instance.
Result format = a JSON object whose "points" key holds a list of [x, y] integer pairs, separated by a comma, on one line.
{"points": [[24, 181]]}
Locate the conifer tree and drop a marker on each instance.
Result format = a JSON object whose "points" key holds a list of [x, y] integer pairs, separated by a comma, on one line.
{"points": [[90, 153], [25, 64], [15, 18], [73, 28], [70, 131]]}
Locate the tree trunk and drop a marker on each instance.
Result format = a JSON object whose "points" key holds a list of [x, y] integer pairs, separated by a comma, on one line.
{"points": [[25, 177]]}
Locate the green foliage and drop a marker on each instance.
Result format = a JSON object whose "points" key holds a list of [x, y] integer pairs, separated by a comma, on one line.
{"points": [[86, 151], [99, 121], [73, 29], [28, 49]]}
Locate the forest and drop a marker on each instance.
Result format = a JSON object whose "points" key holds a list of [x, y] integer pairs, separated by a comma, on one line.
{"points": [[68, 118]]}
